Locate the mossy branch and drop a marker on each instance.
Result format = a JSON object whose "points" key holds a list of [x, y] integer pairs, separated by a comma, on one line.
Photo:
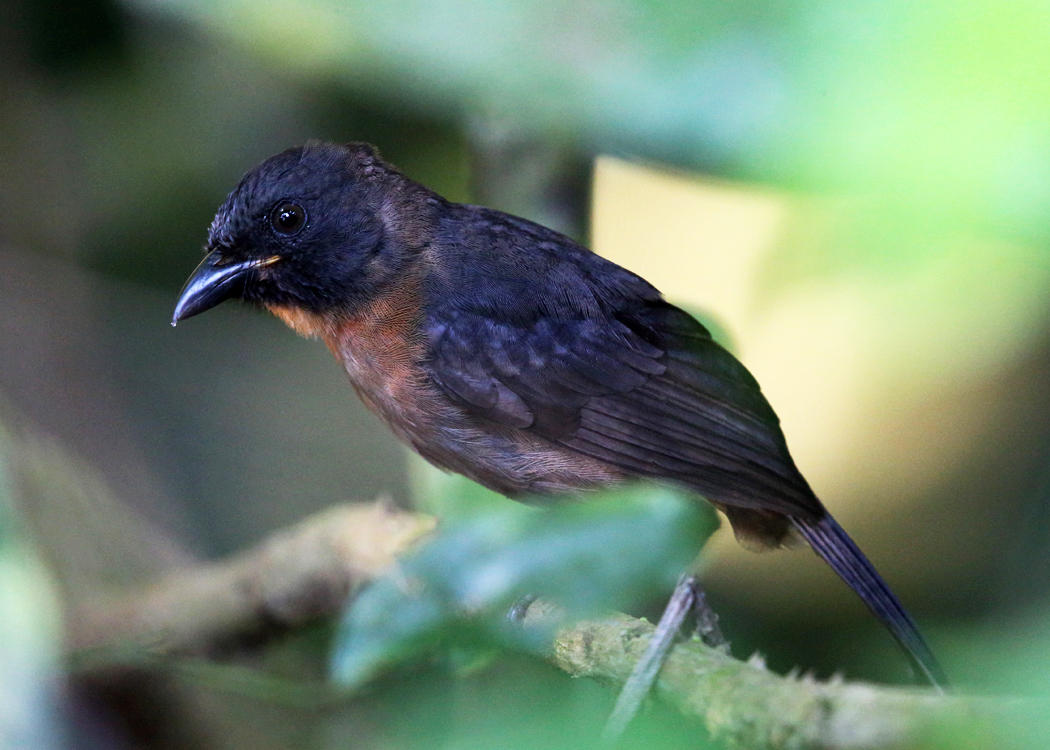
{"points": [[746, 705]]}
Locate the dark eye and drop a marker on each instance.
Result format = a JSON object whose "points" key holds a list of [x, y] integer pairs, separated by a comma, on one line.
{"points": [[287, 218]]}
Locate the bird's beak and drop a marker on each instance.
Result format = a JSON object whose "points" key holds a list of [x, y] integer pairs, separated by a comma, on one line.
{"points": [[214, 281]]}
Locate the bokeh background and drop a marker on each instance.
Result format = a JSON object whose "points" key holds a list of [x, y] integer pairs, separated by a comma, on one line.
{"points": [[856, 197]]}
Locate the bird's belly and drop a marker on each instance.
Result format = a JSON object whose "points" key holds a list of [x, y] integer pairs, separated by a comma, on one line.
{"points": [[506, 460], [512, 462]]}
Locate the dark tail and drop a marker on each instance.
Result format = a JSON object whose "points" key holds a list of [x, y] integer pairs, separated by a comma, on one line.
{"points": [[833, 544]]}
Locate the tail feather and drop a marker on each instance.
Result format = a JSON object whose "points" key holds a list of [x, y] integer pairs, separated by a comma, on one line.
{"points": [[834, 545]]}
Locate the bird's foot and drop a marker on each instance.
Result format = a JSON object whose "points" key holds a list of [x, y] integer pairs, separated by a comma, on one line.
{"points": [[520, 608], [707, 621]]}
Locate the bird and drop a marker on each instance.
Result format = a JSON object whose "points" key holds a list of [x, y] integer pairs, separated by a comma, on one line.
{"points": [[509, 353]]}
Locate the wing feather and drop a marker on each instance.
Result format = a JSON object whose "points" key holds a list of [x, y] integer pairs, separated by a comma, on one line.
{"points": [[595, 361]]}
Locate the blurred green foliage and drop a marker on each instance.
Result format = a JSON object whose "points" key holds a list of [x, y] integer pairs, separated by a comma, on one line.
{"points": [[939, 109], [585, 557]]}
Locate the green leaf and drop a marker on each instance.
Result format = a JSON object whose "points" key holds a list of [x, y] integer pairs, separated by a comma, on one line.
{"points": [[605, 553]]}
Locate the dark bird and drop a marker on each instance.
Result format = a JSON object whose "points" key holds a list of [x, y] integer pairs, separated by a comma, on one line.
{"points": [[505, 351]]}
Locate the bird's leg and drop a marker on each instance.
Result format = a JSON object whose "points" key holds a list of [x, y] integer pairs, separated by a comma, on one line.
{"points": [[687, 596]]}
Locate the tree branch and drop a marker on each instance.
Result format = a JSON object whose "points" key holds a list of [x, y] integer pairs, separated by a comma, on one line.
{"points": [[750, 707], [310, 570], [296, 576]]}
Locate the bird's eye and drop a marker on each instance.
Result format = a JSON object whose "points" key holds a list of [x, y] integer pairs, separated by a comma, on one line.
{"points": [[287, 218]]}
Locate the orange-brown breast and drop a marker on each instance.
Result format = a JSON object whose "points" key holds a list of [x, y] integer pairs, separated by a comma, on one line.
{"points": [[381, 346]]}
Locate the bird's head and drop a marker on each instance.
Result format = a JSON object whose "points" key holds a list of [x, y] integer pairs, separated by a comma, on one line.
{"points": [[309, 229]]}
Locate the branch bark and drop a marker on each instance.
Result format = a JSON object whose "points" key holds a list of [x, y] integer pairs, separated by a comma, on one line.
{"points": [[298, 575], [310, 570]]}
